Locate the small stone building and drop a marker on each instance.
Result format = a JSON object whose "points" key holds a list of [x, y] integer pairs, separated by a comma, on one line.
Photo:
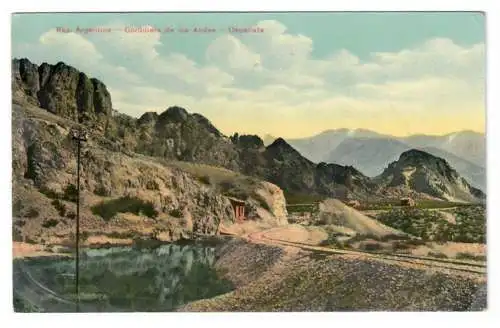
{"points": [[239, 208]]}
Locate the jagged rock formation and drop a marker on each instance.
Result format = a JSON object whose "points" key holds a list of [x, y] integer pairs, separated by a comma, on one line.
{"points": [[421, 172], [281, 164], [173, 134], [60, 89]]}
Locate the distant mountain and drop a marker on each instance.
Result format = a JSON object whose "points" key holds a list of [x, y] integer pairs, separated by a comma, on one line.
{"points": [[316, 148], [371, 156], [420, 172], [468, 145]]}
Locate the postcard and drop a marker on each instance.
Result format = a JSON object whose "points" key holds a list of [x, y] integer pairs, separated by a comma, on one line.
{"points": [[249, 162]]}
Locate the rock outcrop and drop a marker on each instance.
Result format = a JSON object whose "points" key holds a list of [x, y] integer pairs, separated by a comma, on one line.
{"points": [[61, 89], [423, 173]]}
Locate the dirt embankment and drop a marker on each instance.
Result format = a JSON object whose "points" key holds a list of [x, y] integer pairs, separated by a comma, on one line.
{"points": [[276, 278]]}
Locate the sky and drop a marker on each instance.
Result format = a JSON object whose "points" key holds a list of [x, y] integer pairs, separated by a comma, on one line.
{"points": [[296, 75]]}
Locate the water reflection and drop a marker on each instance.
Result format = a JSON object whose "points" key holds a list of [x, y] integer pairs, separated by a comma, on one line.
{"points": [[119, 279]]}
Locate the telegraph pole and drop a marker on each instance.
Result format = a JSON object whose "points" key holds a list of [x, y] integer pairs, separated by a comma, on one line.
{"points": [[78, 135]]}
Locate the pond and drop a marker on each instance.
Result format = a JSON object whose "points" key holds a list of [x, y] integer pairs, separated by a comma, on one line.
{"points": [[119, 279]]}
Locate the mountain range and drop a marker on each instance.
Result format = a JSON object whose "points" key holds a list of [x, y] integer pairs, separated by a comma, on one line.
{"points": [[372, 152], [176, 134]]}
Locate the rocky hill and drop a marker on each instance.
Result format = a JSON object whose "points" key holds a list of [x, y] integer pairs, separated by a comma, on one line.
{"points": [[372, 155], [125, 196], [421, 172], [177, 135], [60, 89]]}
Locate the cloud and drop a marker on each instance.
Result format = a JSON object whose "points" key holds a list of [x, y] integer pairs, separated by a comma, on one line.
{"points": [[249, 82], [229, 52]]}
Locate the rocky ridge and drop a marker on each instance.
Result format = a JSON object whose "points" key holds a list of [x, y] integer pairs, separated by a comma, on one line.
{"points": [[176, 134], [124, 196], [424, 173]]}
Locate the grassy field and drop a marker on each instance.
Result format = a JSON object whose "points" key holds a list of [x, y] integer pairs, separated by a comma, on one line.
{"points": [[430, 225], [422, 204], [295, 198]]}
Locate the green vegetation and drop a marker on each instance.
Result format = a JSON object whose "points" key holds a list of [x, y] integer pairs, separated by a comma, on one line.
{"points": [[437, 255], [371, 246], [17, 210], [16, 234], [126, 204], [59, 206], [101, 191], [430, 225], [176, 213], [50, 223], [17, 207], [421, 204], [469, 256], [302, 208], [296, 198], [49, 193], [122, 235], [32, 213], [70, 193], [205, 179]]}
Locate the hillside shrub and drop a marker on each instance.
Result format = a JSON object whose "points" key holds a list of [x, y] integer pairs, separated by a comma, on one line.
{"points": [[127, 204]]}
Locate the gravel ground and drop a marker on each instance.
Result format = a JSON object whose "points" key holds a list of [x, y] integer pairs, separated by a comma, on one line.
{"points": [[271, 278]]}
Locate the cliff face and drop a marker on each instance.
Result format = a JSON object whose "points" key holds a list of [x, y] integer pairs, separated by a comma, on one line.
{"points": [[61, 89], [120, 194]]}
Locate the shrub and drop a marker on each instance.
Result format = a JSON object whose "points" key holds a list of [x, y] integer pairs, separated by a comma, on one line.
{"points": [[60, 207], [176, 213], [101, 191], [400, 245], [49, 193], [205, 180], [126, 204], [122, 235], [32, 213], [70, 193], [415, 242], [71, 215], [84, 235], [17, 206], [393, 237], [20, 223], [361, 237], [16, 234], [470, 256], [437, 255], [50, 223], [371, 247]]}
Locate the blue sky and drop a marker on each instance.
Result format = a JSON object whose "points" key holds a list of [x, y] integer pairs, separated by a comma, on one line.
{"points": [[396, 73]]}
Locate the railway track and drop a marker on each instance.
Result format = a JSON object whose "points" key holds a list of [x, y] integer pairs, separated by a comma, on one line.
{"points": [[443, 264]]}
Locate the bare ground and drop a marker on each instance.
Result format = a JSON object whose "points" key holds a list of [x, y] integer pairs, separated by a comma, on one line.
{"points": [[287, 278]]}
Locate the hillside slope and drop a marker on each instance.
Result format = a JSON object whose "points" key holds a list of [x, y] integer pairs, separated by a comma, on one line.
{"points": [[421, 172]]}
